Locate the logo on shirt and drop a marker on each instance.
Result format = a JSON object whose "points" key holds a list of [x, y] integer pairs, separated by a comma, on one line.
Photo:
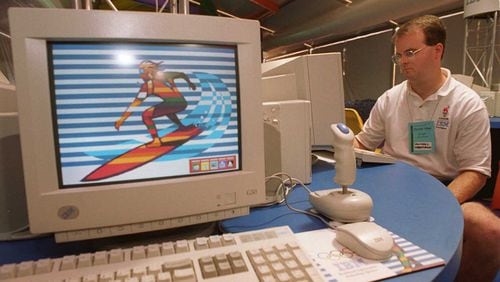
{"points": [[443, 122]]}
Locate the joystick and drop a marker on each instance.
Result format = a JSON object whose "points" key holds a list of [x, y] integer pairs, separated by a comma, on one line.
{"points": [[343, 204]]}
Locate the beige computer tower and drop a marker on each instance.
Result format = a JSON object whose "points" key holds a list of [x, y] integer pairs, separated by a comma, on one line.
{"points": [[13, 211], [287, 141]]}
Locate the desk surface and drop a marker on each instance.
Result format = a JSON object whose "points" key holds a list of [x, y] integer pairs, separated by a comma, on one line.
{"points": [[407, 201], [495, 122]]}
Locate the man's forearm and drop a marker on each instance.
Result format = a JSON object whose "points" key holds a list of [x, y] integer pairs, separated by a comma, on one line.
{"points": [[467, 184]]}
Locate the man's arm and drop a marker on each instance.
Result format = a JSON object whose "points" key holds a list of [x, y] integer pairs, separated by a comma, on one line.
{"points": [[467, 184], [171, 75], [358, 144]]}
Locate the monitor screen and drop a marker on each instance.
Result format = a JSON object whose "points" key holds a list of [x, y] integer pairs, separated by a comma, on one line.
{"points": [[135, 121], [111, 100]]}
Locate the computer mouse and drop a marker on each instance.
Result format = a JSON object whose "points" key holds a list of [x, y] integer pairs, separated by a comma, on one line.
{"points": [[366, 239]]}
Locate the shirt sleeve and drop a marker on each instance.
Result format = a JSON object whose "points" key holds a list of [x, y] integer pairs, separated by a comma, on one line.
{"points": [[473, 141]]}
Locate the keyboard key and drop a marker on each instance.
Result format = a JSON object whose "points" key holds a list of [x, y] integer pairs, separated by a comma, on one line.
{"points": [[284, 277], [148, 278], [100, 258], [298, 274], [164, 277], [264, 270], [214, 241], [238, 266], [301, 257], [268, 278], [184, 275], [167, 248], [208, 270], [181, 246], [153, 250], [206, 260], [201, 244], [223, 268], [122, 274], [107, 277], [84, 260], [172, 265], [138, 252], [228, 240], [116, 255], [25, 269], [154, 269], [219, 258], [90, 278], [68, 262], [43, 266], [139, 271], [8, 271]]}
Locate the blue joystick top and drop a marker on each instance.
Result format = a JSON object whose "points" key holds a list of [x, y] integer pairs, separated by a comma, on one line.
{"points": [[343, 128]]}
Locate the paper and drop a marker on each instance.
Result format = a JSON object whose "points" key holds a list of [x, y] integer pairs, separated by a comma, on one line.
{"points": [[337, 263]]}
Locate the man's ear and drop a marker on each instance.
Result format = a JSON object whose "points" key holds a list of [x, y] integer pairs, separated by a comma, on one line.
{"points": [[439, 49]]}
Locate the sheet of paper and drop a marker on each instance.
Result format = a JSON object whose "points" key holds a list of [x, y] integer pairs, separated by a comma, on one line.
{"points": [[338, 263]]}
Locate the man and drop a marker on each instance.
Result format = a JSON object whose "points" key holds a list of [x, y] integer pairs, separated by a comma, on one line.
{"points": [[441, 126], [160, 84]]}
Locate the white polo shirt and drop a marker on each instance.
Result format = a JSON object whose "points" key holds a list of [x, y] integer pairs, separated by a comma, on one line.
{"points": [[462, 128]]}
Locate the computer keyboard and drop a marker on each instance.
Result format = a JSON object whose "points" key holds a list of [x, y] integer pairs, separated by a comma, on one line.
{"points": [[271, 254], [365, 156]]}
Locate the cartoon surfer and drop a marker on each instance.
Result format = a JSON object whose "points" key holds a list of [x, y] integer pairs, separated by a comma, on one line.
{"points": [[160, 84]]}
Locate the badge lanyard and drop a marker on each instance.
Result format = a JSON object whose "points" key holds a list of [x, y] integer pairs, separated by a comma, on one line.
{"points": [[421, 134]]}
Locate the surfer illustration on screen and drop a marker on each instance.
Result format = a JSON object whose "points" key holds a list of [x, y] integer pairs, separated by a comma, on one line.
{"points": [[160, 84]]}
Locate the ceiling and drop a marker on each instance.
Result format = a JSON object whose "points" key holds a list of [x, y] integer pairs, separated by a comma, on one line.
{"points": [[296, 24], [288, 25]]}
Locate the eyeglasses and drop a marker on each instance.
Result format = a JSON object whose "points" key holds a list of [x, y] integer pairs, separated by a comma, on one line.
{"points": [[396, 58]]}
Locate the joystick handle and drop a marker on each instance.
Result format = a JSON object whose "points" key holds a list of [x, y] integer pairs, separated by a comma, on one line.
{"points": [[345, 159]]}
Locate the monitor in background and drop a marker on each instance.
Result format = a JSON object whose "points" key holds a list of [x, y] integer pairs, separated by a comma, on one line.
{"points": [[316, 78], [134, 121]]}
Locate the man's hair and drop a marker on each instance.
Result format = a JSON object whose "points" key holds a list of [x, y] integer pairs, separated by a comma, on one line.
{"points": [[432, 27]]}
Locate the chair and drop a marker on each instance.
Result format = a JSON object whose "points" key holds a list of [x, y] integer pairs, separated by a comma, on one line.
{"points": [[353, 120]]}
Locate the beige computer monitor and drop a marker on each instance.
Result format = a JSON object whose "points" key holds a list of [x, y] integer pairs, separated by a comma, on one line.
{"points": [[316, 78], [142, 199]]}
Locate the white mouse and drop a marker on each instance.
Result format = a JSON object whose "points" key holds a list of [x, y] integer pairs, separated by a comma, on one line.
{"points": [[366, 239]]}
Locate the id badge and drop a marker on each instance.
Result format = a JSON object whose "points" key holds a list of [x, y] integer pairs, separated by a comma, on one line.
{"points": [[422, 139]]}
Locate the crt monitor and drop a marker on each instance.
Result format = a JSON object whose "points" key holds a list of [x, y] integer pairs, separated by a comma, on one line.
{"points": [[135, 121], [314, 77]]}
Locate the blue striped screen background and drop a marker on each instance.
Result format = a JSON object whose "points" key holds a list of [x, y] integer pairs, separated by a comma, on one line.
{"points": [[94, 83]]}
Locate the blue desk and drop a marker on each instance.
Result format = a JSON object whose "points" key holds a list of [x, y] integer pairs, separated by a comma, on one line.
{"points": [[495, 122], [407, 201]]}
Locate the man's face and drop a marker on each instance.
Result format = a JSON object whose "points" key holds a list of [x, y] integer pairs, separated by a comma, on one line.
{"points": [[416, 58]]}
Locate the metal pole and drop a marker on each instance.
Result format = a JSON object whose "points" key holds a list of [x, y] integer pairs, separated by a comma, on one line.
{"points": [[184, 7], [464, 60], [173, 6], [489, 73], [88, 4], [77, 4]]}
